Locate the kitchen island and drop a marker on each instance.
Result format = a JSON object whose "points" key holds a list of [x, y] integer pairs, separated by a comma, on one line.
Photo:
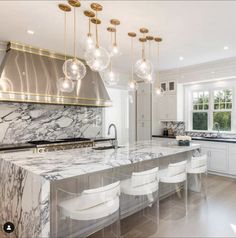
{"points": [[29, 181]]}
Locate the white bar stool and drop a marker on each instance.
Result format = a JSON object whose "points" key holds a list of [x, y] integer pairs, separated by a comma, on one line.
{"points": [[174, 181], [139, 201], [197, 175], [92, 212]]}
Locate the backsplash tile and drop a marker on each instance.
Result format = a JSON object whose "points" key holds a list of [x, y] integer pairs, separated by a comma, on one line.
{"points": [[178, 127], [21, 122]]}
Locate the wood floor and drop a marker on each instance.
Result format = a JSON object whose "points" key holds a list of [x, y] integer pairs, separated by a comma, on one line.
{"points": [[211, 217]]}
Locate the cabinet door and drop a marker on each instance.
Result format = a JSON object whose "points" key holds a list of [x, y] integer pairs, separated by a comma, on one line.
{"points": [[143, 130], [144, 107], [218, 160], [232, 159], [206, 151]]}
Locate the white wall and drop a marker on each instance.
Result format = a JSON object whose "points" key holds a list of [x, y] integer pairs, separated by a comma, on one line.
{"points": [[118, 114]]}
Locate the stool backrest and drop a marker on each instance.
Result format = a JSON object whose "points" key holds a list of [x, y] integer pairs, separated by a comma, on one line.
{"points": [[145, 177], [197, 162], [176, 168], [94, 197]]}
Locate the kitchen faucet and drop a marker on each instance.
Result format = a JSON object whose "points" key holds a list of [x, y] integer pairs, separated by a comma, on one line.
{"points": [[113, 142], [217, 126]]}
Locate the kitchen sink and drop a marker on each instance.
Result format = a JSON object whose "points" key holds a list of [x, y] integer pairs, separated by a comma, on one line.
{"points": [[106, 147]]}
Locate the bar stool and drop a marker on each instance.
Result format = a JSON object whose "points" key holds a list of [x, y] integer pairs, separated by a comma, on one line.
{"points": [[174, 184], [197, 175], [92, 212], [139, 201]]}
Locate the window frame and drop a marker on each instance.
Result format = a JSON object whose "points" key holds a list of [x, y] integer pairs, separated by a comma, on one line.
{"points": [[210, 87]]}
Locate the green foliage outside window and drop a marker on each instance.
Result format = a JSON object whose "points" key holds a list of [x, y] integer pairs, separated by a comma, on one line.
{"points": [[200, 121]]}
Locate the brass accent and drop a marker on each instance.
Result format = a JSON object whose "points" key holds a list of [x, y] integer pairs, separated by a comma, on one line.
{"points": [[96, 7], [132, 34], [89, 14], [74, 3], [150, 38], [64, 7], [115, 22], [158, 39], [142, 39], [111, 29], [144, 30], [96, 21]]}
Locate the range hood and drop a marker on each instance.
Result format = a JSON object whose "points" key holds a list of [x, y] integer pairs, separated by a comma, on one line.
{"points": [[28, 74]]}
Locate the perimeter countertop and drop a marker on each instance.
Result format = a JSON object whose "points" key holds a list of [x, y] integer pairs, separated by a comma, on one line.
{"points": [[58, 165], [225, 140]]}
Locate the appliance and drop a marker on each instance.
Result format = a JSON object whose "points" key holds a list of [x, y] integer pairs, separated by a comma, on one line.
{"points": [[63, 144], [29, 74]]}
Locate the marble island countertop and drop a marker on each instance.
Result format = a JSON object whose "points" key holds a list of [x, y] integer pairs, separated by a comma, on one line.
{"points": [[64, 164]]}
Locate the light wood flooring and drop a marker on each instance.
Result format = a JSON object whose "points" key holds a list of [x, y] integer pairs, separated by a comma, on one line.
{"points": [[211, 217]]}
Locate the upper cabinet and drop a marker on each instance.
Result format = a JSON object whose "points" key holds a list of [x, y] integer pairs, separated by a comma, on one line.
{"points": [[168, 86]]}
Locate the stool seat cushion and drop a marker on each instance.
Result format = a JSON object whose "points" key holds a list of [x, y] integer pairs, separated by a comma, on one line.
{"points": [[145, 189], [165, 178], [68, 209], [197, 170]]}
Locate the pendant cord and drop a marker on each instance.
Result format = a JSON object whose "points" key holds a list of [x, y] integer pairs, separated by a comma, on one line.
{"points": [[97, 44], [115, 37], [89, 34], [132, 59], [74, 33], [110, 65], [65, 33], [158, 59]]}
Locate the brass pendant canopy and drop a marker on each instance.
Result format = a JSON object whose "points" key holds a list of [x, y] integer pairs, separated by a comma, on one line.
{"points": [[132, 34], [115, 22], [96, 21], [111, 29], [144, 30], [150, 38], [64, 7], [89, 14], [96, 7], [74, 3], [158, 39], [142, 39]]}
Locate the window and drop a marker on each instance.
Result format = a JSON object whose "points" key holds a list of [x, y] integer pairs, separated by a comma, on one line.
{"points": [[212, 110], [200, 110], [222, 109]]}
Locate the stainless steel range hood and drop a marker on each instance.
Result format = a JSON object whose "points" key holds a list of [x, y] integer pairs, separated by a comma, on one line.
{"points": [[28, 74]]}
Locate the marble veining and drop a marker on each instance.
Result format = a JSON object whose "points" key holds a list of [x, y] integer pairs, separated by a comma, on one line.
{"points": [[22, 122], [64, 164]]}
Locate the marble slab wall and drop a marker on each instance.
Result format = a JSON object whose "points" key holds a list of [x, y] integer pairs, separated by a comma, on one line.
{"points": [[22, 122]]}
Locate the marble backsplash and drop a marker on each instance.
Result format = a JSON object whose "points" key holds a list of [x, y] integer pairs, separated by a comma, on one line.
{"points": [[178, 128], [21, 122]]}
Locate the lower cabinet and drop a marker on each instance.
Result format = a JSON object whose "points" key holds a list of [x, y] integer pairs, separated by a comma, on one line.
{"points": [[232, 159], [221, 156]]}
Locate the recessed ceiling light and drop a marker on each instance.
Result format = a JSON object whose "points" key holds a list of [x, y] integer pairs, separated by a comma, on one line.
{"points": [[181, 58], [30, 32], [226, 47]]}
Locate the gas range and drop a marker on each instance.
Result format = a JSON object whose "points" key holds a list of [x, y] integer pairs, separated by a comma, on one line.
{"points": [[62, 144]]}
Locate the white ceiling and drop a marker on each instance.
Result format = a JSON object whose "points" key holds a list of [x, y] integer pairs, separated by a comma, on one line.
{"points": [[196, 30]]}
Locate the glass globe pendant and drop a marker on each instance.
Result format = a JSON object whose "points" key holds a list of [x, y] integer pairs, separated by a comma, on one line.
{"points": [[114, 49], [74, 69], [65, 85], [98, 58], [158, 87], [89, 40], [143, 68]]}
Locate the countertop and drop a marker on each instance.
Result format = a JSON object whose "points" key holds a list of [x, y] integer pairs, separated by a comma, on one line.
{"points": [[58, 165], [225, 140]]}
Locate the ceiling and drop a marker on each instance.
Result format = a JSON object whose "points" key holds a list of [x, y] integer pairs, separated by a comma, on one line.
{"points": [[195, 30]]}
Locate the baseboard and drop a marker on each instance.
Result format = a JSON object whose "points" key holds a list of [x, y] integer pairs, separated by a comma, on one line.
{"points": [[222, 174]]}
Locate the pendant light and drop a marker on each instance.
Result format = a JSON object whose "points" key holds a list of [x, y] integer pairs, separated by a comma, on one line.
{"points": [[110, 77], [65, 84], [98, 58], [114, 48], [158, 87], [133, 85], [89, 41], [151, 77], [74, 69], [143, 67]]}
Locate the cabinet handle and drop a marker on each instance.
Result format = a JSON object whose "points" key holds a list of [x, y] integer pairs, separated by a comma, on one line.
{"points": [[142, 124], [142, 116]]}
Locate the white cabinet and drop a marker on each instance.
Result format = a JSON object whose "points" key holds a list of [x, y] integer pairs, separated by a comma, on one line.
{"points": [[232, 159], [168, 87], [144, 104], [217, 154], [166, 107]]}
